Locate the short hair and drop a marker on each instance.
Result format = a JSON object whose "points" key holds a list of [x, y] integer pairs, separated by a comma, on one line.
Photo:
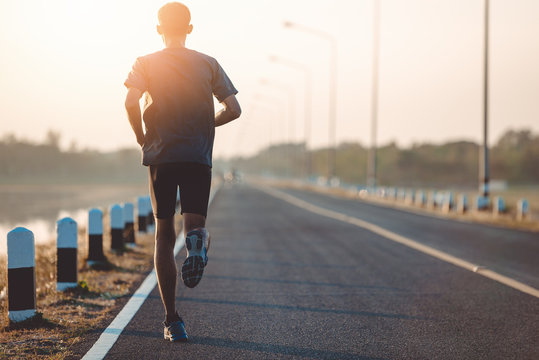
{"points": [[174, 18]]}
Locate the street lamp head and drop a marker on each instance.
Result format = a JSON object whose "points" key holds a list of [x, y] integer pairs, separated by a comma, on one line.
{"points": [[288, 24]]}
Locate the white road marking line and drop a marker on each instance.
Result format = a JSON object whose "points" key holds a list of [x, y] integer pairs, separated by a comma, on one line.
{"points": [[481, 270], [109, 336]]}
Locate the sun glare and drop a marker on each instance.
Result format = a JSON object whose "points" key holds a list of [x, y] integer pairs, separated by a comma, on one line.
{"points": [[70, 58], [95, 29], [63, 64]]}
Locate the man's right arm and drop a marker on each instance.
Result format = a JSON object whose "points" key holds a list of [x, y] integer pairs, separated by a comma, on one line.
{"points": [[231, 111], [133, 113]]}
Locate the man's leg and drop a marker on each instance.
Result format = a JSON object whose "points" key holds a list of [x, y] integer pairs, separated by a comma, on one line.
{"points": [[163, 190], [194, 195], [165, 265], [193, 221]]}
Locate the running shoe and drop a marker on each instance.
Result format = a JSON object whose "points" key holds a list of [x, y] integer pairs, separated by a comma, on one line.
{"points": [[175, 331], [196, 243]]}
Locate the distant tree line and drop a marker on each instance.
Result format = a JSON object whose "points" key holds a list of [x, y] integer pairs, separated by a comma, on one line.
{"points": [[514, 158], [23, 161]]}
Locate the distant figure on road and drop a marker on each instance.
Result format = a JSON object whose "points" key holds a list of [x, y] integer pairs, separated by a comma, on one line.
{"points": [[180, 122]]}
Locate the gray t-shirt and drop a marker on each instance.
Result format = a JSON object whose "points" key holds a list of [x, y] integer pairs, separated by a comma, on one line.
{"points": [[179, 115]]}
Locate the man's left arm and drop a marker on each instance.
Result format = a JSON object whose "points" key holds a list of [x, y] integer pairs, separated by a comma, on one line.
{"points": [[231, 111], [134, 115]]}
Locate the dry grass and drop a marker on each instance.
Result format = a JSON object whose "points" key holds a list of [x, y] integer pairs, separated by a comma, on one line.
{"points": [[64, 317]]}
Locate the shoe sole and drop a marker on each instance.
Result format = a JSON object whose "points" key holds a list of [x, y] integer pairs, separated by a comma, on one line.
{"points": [[193, 266], [192, 270]]}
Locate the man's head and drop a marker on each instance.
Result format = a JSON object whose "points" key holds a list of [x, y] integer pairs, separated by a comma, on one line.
{"points": [[174, 20]]}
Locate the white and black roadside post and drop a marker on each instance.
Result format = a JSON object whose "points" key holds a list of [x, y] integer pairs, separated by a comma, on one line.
{"points": [[21, 274], [95, 237], [420, 199], [523, 209], [149, 216], [410, 197], [129, 224], [431, 201], [66, 254], [448, 202], [462, 204], [402, 194], [394, 194], [116, 228], [142, 214]]}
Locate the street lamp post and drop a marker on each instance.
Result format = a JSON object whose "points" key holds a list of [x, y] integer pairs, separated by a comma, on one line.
{"points": [[291, 112], [371, 165], [483, 154], [268, 105], [272, 115], [307, 100], [332, 127]]}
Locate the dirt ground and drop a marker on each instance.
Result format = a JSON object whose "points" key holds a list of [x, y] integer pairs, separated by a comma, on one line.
{"points": [[64, 317]]}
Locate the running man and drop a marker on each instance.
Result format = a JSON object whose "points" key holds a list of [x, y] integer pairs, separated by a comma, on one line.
{"points": [[180, 122]]}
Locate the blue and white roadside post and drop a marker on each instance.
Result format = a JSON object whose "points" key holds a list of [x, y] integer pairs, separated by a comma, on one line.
{"points": [[21, 274], [95, 237], [116, 228], [129, 224], [498, 206], [481, 202], [66, 254], [523, 209]]}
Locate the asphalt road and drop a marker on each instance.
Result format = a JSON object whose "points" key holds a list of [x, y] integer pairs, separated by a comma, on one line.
{"points": [[284, 283]]}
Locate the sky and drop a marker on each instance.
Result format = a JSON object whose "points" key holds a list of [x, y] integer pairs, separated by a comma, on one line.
{"points": [[63, 63]]}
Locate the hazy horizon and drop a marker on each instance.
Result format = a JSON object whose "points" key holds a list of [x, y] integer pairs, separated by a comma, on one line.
{"points": [[75, 147], [64, 62]]}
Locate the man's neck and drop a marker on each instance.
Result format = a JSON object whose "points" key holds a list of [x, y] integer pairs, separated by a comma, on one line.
{"points": [[174, 42]]}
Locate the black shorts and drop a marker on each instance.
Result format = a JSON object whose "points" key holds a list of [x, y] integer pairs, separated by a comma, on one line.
{"points": [[194, 181]]}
